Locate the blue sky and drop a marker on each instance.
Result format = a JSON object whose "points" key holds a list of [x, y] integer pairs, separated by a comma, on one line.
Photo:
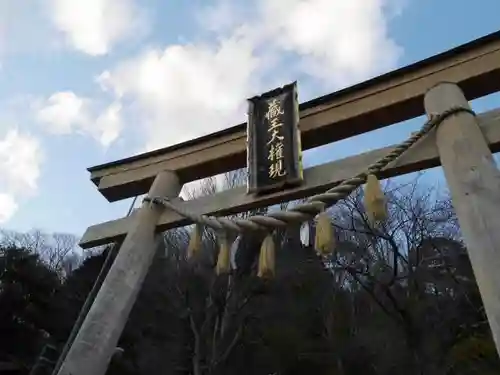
{"points": [[99, 80]]}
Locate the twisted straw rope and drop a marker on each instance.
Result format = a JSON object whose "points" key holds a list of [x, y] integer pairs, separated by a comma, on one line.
{"points": [[314, 204]]}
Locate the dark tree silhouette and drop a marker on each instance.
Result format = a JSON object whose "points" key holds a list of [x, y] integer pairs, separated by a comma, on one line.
{"points": [[398, 297]]}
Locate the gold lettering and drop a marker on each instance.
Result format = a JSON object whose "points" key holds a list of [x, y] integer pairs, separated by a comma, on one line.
{"points": [[276, 152], [276, 169], [275, 136], [273, 109], [274, 123], [276, 149]]}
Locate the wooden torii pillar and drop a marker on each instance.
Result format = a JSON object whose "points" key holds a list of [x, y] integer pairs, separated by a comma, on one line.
{"points": [[474, 182], [98, 336]]}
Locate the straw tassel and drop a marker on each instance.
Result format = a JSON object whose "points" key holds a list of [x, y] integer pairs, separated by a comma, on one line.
{"points": [[223, 260], [324, 241], [267, 258], [375, 203], [195, 241]]}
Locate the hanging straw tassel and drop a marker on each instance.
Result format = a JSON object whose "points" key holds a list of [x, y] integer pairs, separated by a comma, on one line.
{"points": [[266, 258], [375, 204], [324, 241], [223, 260], [195, 241]]}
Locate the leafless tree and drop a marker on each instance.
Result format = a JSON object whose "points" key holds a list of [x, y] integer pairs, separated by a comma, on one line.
{"points": [[414, 266], [59, 251], [216, 311]]}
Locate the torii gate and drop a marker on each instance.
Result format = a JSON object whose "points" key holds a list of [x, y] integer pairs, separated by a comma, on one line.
{"points": [[462, 144]]}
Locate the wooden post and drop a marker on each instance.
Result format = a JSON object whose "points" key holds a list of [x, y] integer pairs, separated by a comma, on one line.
{"points": [[474, 183], [97, 339]]}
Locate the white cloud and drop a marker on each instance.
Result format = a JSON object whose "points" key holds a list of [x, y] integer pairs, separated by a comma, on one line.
{"points": [[340, 41], [8, 207], [95, 26], [20, 160], [62, 111], [185, 91], [108, 124], [24, 28], [65, 113]]}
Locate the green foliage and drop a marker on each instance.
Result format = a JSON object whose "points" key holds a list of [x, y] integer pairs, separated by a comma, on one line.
{"points": [[27, 287]]}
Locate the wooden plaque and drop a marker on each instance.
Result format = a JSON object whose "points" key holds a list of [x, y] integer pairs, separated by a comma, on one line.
{"points": [[273, 141]]}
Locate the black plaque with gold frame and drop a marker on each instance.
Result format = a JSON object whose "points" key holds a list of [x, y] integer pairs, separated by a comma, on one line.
{"points": [[273, 141]]}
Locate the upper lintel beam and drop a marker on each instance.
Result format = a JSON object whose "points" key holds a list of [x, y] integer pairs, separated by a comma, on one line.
{"points": [[373, 104]]}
